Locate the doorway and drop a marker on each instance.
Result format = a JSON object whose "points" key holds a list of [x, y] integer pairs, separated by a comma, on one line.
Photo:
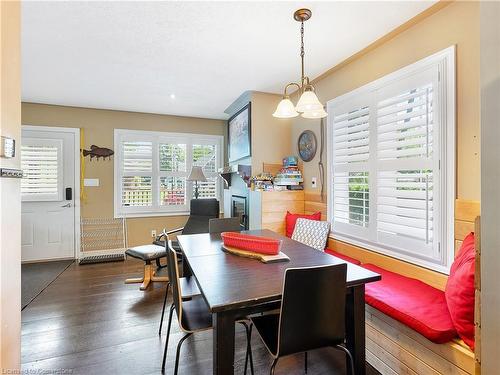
{"points": [[50, 193]]}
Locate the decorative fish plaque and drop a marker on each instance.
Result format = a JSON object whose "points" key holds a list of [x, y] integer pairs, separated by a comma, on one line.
{"points": [[98, 152]]}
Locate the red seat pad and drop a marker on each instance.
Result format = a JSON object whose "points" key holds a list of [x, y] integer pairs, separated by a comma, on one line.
{"points": [[413, 303], [347, 258]]}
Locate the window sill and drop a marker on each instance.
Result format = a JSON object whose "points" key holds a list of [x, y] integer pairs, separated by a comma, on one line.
{"points": [[392, 254]]}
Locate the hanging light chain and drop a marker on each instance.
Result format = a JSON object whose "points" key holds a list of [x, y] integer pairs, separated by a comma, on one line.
{"points": [[302, 53]]}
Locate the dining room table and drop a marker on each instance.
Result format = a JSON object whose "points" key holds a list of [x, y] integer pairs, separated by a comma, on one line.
{"points": [[235, 287]]}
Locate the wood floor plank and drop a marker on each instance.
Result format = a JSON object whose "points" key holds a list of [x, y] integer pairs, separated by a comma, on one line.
{"points": [[89, 322]]}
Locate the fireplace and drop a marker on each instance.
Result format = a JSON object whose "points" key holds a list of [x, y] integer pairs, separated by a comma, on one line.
{"points": [[239, 208]]}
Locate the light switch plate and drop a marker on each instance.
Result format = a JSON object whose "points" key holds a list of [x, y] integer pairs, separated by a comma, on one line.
{"points": [[90, 182], [7, 147], [314, 182]]}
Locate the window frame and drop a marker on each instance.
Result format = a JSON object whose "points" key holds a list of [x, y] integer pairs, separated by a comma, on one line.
{"points": [[157, 138], [444, 61]]}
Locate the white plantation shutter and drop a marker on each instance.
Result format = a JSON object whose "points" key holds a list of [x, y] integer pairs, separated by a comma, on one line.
{"points": [[137, 174], [391, 163], [41, 163], [205, 156], [351, 152], [405, 164]]}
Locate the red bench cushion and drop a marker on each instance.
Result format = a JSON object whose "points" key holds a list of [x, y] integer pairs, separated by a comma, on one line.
{"points": [[291, 220], [342, 256], [413, 303], [460, 291]]}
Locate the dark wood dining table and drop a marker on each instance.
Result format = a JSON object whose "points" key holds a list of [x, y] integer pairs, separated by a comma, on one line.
{"points": [[235, 287]]}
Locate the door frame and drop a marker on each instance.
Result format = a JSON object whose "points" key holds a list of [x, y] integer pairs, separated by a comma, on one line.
{"points": [[76, 138]]}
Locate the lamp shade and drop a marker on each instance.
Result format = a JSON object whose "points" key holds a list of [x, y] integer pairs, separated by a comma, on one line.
{"points": [[285, 109], [308, 102], [197, 175], [315, 114]]}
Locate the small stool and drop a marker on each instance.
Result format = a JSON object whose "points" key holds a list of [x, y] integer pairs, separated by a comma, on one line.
{"points": [[147, 253]]}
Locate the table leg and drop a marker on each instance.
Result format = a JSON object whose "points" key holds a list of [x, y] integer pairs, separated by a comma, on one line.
{"points": [[355, 327], [223, 348]]}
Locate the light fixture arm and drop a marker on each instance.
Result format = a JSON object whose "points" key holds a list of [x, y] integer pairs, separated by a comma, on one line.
{"points": [[285, 95]]}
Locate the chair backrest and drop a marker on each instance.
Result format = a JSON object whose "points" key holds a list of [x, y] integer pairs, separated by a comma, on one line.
{"points": [[173, 277], [313, 308], [201, 211], [229, 224], [311, 233]]}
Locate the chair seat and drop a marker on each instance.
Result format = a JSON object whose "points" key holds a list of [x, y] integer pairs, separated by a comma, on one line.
{"points": [[147, 252], [196, 315], [189, 288], [267, 326]]}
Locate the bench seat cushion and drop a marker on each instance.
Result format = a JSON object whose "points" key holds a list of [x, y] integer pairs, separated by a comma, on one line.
{"points": [[413, 303], [347, 258]]}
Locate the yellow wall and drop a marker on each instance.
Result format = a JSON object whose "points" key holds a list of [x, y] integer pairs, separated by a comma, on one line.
{"points": [[270, 135], [457, 23], [10, 201], [98, 128]]}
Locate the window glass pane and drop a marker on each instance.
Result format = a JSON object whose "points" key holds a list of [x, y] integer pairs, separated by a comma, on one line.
{"points": [[136, 191], [173, 157], [351, 198], [40, 170], [207, 189], [172, 191], [205, 156], [137, 156]]}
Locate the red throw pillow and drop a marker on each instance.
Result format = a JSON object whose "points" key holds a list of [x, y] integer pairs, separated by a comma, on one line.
{"points": [[291, 220], [459, 291]]}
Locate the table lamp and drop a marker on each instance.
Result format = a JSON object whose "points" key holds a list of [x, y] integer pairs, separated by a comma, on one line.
{"points": [[196, 175]]}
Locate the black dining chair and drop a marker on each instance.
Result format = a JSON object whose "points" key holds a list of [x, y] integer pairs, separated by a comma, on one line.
{"points": [[188, 288], [312, 314], [228, 224], [193, 314]]}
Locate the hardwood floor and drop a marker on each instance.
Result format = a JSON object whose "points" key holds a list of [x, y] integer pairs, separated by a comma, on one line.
{"points": [[89, 322]]}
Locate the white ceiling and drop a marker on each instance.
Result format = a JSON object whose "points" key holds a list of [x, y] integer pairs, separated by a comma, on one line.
{"points": [[133, 55]]}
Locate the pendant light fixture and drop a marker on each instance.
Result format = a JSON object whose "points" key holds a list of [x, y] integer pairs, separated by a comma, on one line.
{"points": [[308, 105]]}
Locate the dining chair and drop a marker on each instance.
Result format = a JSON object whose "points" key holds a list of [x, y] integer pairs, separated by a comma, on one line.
{"points": [[228, 224], [193, 314], [312, 314]]}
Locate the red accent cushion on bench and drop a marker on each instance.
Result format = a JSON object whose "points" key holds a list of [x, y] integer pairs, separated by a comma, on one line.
{"points": [[460, 290], [347, 258], [291, 220], [413, 303]]}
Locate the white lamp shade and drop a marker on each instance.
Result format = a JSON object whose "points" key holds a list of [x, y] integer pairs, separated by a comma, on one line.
{"points": [[315, 114], [308, 102], [285, 109], [197, 175]]}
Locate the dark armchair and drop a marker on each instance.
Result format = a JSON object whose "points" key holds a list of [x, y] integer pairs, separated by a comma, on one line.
{"points": [[201, 211]]}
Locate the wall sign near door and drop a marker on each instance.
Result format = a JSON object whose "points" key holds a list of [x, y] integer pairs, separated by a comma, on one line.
{"points": [[11, 173]]}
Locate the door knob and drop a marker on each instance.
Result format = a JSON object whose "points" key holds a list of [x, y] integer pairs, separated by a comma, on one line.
{"points": [[67, 205]]}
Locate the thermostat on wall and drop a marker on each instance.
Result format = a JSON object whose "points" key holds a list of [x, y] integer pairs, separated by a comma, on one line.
{"points": [[90, 182]]}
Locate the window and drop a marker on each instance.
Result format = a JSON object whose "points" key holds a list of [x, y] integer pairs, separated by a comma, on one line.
{"points": [[151, 170], [391, 156], [41, 162]]}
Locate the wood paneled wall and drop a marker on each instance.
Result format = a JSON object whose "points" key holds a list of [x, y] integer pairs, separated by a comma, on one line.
{"points": [[275, 204]]}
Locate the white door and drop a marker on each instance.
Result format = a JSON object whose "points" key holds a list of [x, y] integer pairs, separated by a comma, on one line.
{"points": [[47, 194]]}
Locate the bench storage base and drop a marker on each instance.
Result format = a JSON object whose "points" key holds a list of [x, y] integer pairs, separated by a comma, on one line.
{"points": [[392, 348]]}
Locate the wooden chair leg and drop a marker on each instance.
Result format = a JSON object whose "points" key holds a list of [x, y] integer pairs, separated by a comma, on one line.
{"points": [[149, 276]]}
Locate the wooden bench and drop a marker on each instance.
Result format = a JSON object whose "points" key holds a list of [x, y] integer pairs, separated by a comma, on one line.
{"points": [[393, 348]]}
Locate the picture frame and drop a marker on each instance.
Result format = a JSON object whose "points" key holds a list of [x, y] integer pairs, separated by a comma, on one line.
{"points": [[239, 127]]}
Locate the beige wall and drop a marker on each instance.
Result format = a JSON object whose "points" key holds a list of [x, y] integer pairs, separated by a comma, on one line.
{"points": [[270, 135], [98, 128], [457, 23], [10, 202], [490, 180]]}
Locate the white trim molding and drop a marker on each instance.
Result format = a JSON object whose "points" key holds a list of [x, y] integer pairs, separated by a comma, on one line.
{"points": [[395, 138]]}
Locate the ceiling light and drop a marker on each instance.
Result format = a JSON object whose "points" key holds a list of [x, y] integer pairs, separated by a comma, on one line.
{"points": [[308, 104], [172, 96]]}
